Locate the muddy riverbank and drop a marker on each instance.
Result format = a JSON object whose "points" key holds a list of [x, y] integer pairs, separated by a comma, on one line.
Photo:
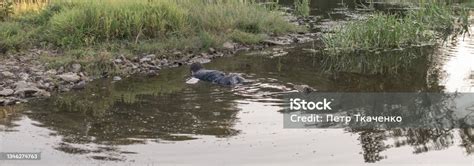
{"points": [[26, 75]]}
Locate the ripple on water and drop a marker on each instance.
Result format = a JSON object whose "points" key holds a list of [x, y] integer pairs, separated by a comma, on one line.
{"points": [[459, 67]]}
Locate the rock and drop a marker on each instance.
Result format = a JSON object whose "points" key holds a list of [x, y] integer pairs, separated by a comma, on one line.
{"points": [[164, 62], [22, 84], [70, 77], [64, 88], [118, 61], [80, 85], [61, 70], [117, 78], [200, 60], [148, 58], [152, 73], [151, 56], [76, 68], [229, 45], [8, 74], [29, 92], [24, 76], [276, 42], [212, 50], [42, 93], [6, 92], [303, 39], [51, 72], [145, 59]]}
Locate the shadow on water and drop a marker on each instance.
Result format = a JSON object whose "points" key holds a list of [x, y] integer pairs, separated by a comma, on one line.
{"points": [[164, 110]]}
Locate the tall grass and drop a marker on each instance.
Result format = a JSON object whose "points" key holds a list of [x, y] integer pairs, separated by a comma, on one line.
{"points": [[302, 8], [6, 9], [378, 31], [83, 23], [87, 22], [381, 31]]}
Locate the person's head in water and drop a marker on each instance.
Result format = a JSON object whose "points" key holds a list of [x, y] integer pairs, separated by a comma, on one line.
{"points": [[196, 67]]}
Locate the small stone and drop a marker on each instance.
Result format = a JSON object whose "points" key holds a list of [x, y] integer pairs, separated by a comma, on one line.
{"points": [[164, 62], [177, 53], [6, 92], [117, 78], [61, 70], [229, 45], [42, 93], [24, 76], [76, 68], [70, 77], [212, 50], [8, 74], [303, 39], [276, 42], [80, 85], [145, 59], [151, 56], [22, 84], [51, 72], [27, 92], [118, 61]]}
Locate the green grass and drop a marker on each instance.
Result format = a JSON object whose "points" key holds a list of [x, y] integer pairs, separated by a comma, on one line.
{"points": [[378, 31], [90, 23], [382, 31], [92, 32], [302, 8]]}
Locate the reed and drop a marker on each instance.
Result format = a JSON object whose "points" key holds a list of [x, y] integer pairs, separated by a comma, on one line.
{"points": [[302, 8], [422, 26]]}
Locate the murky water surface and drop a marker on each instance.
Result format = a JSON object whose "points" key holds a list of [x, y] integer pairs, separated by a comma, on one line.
{"points": [[164, 121]]}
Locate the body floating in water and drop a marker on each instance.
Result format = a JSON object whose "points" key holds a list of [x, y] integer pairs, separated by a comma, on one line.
{"points": [[214, 76]]}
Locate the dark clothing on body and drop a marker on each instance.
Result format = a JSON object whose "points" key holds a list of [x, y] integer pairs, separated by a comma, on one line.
{"points": [[218, 77]]}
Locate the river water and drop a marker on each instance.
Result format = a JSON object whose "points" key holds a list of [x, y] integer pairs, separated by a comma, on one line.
{"points": [[164, 121]]}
